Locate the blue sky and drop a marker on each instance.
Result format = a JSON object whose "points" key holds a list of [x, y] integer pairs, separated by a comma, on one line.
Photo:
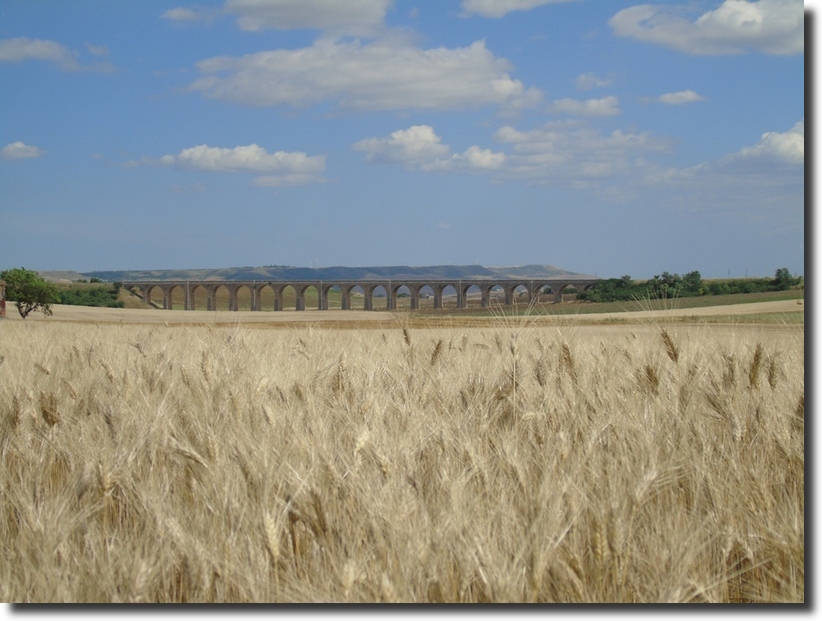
{"points": [[604, 137]]}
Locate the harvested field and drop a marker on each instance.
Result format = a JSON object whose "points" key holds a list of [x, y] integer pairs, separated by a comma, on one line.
{"points": [[85, 314]]}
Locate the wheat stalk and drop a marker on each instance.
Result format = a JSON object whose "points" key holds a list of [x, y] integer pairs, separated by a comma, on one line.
{"points": [[272, 529], [41, 368], [670, 347], [753, 370], [48, 408], [436, 353]]}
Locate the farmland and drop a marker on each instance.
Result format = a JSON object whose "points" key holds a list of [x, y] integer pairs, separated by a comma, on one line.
{"points": [[164, 456]]}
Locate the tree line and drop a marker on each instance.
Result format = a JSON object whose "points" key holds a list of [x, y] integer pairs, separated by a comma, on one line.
{"points": [[93, 296], [667, 286]]}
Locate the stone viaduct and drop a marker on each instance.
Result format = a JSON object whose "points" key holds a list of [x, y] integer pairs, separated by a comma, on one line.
{"points": [[533, 287]]}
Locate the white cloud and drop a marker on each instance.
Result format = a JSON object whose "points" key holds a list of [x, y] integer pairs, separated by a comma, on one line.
{"points": [[416, 146], [574, 153], [570, 153], [182, 14], [192, 15], [776, 156], [765, 177], [500, 8], [680, 97], [382, 75], [620, 165], [775, 148], [587, 81], [279, 168], [606, 106], [354, 17], [482, 158], [21, 49], [97, 50], [737, 26], [20, 151], [286, 180], [419, 147], [615, 166]]}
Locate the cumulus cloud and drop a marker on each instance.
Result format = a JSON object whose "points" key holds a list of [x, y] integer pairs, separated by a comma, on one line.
{"points": [[576, 154], [570, 153], [588, 81], [777, 158], [354, 17], [783, 147], [478, 158], [500, 8], [382, 75], [415, 146], [775, 154], [22, 49], [615, 165], [181, 14], [20, 151], [97, 50], [419, 147], [737, 26], [623, 165], [606, 106], [680, 97], [766, 176], [278, 169]]}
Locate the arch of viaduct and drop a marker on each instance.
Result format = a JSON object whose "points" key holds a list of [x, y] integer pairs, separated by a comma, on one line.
{"points": [[391, 287]]}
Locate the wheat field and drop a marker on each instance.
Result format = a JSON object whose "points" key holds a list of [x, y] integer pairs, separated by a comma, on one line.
{"points": [[513, 462]]}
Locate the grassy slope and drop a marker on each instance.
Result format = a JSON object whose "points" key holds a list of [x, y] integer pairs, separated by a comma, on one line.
{"points": [[341, 273]]}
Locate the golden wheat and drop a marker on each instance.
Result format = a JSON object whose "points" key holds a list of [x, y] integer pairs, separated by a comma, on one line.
{"points": [[516, 463]]}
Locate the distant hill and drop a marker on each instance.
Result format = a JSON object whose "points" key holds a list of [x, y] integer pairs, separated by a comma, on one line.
{"points": [[398, 272], [63, 276]]}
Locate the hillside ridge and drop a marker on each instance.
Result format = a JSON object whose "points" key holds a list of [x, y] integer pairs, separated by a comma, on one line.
{"points": [[281, 272]]}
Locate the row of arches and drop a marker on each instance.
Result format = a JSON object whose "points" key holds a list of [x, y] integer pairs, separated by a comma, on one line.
{"points": [[348, 295]]}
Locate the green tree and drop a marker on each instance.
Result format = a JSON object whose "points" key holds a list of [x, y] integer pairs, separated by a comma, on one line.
{"points": [[692, 282], [665, 285], [783, 279], [29, 291]]}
